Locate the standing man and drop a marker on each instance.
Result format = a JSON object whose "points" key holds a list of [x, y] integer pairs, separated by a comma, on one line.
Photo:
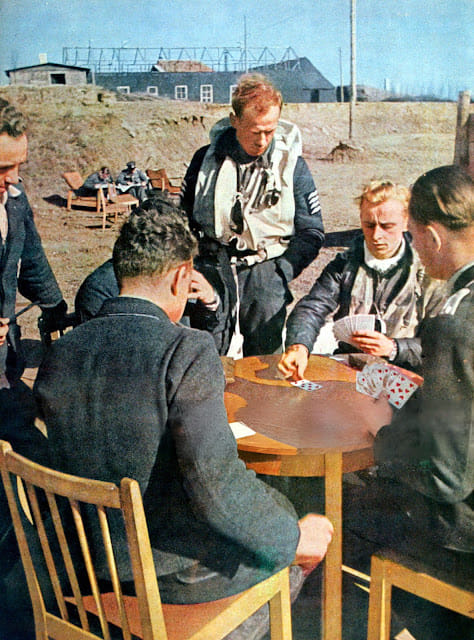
{"points": [[421, 498], [23, 267], [380, 274], [252, 203], [23, 263], [215, 528]]}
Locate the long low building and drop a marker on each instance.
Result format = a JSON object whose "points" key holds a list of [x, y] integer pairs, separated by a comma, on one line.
{"points": [[297, 79]]}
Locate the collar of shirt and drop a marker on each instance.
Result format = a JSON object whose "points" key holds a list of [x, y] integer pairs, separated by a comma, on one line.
{"points": [[385, 264], [11, 192]]}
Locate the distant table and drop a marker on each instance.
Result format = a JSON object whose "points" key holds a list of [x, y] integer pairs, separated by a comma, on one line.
{"points": [[307, 433]]}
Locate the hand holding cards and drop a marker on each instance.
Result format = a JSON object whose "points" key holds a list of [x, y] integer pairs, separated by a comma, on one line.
{"points": [[377, 378], [346, 326]]}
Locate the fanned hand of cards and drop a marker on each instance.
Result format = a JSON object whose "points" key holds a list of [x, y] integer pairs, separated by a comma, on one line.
{"points": [[345, 327], [377, 378]]}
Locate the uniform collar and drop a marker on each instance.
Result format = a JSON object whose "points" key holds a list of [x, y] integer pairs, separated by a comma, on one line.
{"points": [[462, 277], [11, 192]]}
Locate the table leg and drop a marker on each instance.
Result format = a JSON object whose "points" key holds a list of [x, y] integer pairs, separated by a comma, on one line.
{"points": [[332, 582]]}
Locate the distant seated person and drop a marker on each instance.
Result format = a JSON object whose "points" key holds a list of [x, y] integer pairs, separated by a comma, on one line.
{"points": [[99, 180], [380, 275], [203, 302], [132, 180]]}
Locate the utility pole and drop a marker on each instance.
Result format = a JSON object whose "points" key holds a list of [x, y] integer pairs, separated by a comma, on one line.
{"points": [[341, 88], [245, 46], [353, 67]]}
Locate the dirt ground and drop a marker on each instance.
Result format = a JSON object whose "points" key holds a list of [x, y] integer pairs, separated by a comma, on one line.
{"points": [[85, 128]]}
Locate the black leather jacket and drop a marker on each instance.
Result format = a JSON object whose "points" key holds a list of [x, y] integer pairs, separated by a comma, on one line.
{"points": [[405, 295]]}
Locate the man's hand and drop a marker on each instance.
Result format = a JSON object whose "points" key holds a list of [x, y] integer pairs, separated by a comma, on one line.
{"points": [[294, 361], [382, 411], [4, 326], [373, 343], [315, 535], [200, 289]]}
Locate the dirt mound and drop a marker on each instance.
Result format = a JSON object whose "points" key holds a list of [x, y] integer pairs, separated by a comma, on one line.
{"points": [[345, 152]]}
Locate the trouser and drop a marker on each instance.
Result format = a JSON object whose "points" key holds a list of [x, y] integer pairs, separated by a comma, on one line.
{"points": [[264, 296]]}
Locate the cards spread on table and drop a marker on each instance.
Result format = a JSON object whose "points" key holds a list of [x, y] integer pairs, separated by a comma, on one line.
{"points": [[377, 378], [345, 327], [306, 385]]}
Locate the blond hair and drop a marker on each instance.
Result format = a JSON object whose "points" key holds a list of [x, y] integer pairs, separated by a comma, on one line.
{"points": [[377, 191]]}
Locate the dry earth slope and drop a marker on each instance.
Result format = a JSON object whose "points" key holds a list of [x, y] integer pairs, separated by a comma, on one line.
{"points": [[84, 128]]}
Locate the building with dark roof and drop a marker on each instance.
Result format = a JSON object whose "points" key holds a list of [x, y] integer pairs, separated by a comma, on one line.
{"points": [[298, 80]]}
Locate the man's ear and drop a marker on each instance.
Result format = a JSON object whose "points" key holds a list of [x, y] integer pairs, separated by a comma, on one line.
{"points": [[435, 236], [180, 274], [232, 118]]}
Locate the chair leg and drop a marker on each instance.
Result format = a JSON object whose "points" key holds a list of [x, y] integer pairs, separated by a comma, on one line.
{"points": [[280, 613], [378, 627], [69, 200]]}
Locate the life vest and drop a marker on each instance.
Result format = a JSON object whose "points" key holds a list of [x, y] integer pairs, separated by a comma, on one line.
{"points": [[267, 201]]}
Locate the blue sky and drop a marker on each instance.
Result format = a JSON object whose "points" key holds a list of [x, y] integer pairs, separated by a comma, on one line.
{"points": [[419, 45]]}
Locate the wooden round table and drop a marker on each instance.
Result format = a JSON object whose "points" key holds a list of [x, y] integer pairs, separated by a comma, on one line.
{"points": [[324, 433]]}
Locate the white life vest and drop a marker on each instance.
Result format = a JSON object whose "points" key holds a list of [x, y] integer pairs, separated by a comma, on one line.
{"points": [[266, 227]]}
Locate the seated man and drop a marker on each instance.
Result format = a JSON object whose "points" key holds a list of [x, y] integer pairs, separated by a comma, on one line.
{"points": [[380, 274], [204, 309], [420, 499], [99, 180], [134, 393], [133, 181]]}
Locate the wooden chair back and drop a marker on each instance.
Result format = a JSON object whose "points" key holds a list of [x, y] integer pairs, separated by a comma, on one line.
{"points": [[390, 569], [73, 179], [160, 181], [75, 524]]}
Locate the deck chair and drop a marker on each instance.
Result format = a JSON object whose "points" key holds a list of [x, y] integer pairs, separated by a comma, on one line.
{"points": [[66, 514], [160, 181], [74, 181], [390, 569]]}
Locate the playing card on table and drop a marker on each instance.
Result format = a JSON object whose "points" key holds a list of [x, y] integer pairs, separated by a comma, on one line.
{"points": [[306, 385]]}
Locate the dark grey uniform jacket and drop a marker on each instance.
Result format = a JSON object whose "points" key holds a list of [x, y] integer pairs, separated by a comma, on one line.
{"points": [[130, 393], [429, 446]]}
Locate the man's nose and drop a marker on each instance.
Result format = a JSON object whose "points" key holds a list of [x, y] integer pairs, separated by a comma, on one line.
{"points": [[378, 232], [12, 175]]}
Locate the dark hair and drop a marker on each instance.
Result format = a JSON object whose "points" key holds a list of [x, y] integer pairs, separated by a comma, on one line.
{"points": [[444, 195], [152, 241], [12, 121]]}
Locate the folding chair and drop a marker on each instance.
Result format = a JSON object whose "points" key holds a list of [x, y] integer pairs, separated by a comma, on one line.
{"points": [[81, 609], [160, 181], [393, 569]]}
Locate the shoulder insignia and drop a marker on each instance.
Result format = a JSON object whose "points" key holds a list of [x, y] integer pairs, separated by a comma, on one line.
{"points": [[452, 303]]}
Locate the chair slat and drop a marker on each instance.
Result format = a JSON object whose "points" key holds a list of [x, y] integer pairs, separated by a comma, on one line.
{"points": [[104, 527], [45, 546], [66, 555], [86, 555]]}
